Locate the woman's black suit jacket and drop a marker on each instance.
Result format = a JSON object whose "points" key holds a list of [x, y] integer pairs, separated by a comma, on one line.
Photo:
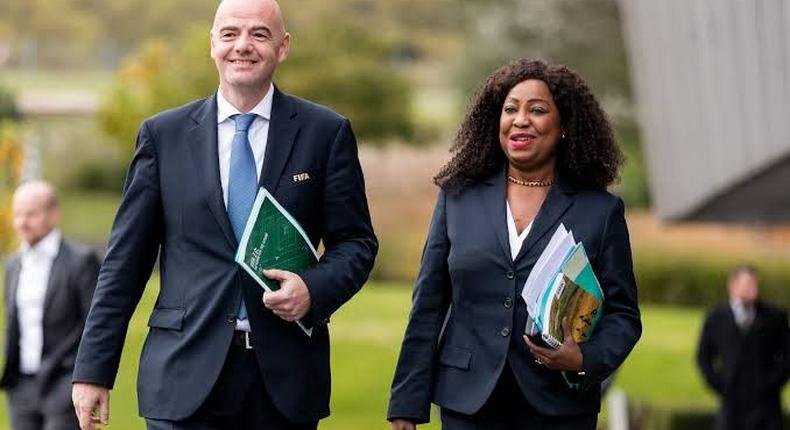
{"points": [[467, 314]]}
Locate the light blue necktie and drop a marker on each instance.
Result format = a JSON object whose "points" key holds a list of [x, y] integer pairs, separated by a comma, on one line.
{"points": [[242, 182]]}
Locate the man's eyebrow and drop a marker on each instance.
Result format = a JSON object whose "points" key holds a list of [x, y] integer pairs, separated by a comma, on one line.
{"points": [[261, 28]]}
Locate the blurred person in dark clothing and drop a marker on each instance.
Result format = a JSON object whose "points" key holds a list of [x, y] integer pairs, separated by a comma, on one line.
{"points": [[744, 355], [49, 284]]}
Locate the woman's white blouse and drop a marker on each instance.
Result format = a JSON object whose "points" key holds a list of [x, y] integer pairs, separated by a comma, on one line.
{"points": [[516, 240]]}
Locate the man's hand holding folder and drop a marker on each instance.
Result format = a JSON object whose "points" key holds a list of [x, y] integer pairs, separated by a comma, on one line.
{"points": [[292, 301]]}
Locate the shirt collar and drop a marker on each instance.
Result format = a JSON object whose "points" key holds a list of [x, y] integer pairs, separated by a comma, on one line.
{"points": [[49, 245], [263, 109]]}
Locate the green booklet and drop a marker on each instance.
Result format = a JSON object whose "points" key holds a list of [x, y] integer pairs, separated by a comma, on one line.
{"points": [[273, 239]]}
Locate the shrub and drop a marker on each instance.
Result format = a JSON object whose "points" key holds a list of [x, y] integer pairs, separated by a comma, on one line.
{"points": [[10, 170], [8, 109], [666, 276], [351, 77]]}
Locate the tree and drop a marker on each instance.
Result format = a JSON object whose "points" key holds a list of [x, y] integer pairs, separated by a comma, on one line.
{"points": [[10, 164], [343, 63], [346, 67], [159, 77], [585, 35]]}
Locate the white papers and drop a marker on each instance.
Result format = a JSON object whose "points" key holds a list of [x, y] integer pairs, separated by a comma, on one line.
{"points": [[546, 268]]}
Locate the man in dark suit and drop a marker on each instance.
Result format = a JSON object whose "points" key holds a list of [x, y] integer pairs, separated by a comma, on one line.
{"points": [[48, 289], [219, 354], [744, 355]]}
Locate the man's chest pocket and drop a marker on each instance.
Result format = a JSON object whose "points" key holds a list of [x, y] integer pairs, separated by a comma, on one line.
{"points": [[299, 192], [300, 180]]}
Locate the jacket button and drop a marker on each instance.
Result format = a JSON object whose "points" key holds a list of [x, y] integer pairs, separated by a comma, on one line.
{"points": [[508, 303], [231, 318], [505, 332], [510, 274]]}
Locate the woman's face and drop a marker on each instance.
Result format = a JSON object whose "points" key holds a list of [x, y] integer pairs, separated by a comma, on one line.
{"points": [[529, 127]]}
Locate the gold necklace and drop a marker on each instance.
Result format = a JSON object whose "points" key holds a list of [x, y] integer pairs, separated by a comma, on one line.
{"points": [[546, 183]]}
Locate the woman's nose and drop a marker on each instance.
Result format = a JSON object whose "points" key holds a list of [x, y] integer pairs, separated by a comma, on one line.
{"points": [[521, 120]]}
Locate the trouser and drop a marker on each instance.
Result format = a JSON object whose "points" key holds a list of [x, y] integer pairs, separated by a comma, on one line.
{"points": [[239, 400], [26, 412], [507, 409]]}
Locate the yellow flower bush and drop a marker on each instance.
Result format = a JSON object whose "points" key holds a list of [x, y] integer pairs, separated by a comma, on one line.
{"points": [[11, 159]]}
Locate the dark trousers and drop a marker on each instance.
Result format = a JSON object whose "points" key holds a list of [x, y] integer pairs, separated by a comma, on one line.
{"points": [[507, 409], [238, 401], [26, 412]]}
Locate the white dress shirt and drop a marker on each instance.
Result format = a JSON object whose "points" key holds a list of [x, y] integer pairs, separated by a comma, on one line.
{"points": [[744, 315], [30, 293], [258, 134], [516, 240]]}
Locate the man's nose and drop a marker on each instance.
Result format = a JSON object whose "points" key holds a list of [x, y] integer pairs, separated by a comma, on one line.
{"points": [[242, 43]]}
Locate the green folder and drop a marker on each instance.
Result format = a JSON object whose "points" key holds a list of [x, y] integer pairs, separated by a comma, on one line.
{"points": [[273, 239]]}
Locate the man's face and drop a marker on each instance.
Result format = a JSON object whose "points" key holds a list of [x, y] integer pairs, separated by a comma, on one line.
{"points": [[743, 287], [248, 41], [34, 217]]}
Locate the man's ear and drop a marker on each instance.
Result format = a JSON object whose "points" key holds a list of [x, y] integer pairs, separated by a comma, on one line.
{"points": [[282, 54]]}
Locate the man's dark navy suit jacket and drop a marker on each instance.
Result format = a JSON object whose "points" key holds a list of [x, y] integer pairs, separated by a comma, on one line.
{"points": [[455, 361], [172, 206]]}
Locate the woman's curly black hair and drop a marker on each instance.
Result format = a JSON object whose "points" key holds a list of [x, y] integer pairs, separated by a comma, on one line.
{"points": [[588, 157]]}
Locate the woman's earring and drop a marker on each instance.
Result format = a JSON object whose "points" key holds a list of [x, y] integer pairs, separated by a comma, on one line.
{"points": [[563, 135]]}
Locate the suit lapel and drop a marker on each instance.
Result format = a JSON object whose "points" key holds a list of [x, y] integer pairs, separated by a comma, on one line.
{"points": [[494, 195], [557, 202], [205, 156], [282, 132], [57, 274], [15, 266]]}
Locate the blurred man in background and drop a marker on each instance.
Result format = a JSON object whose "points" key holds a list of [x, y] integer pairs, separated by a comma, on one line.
{"points": [[48, 289], [744, 355], [220, 354]]}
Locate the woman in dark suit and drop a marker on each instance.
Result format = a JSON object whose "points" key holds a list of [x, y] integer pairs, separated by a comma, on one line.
{"points": [[535, 150]]}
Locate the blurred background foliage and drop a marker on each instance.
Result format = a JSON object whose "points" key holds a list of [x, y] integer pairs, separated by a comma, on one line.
{"points": [[11, 159]]}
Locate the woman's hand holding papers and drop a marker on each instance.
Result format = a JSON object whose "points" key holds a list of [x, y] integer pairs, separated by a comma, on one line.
{"points": [[292, 301], [567, 357]]}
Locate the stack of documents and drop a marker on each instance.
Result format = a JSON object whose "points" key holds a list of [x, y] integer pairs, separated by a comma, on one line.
{"points": [[562, 285], [273, 239]]}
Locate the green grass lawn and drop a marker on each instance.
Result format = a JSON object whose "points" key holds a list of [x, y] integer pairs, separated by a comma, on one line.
{"points": [[366, 336], [88, 216], [90, 81]]}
